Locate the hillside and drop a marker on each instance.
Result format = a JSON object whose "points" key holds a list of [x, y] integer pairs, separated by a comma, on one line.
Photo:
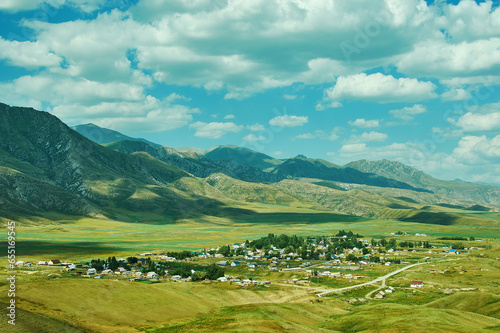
{"points": [[319, 169], [487, 194], [243, 156], [104, 135], [196, 164], [46, 166]]}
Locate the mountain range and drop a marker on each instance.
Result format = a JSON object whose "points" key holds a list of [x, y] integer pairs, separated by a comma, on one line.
{"points": [[47, 167]]}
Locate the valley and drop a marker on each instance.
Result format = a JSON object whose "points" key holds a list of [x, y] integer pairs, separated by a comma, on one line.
{"points": [[76, 202]]}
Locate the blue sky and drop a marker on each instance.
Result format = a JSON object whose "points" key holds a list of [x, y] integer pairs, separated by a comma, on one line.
{"points": [[413, 81]]}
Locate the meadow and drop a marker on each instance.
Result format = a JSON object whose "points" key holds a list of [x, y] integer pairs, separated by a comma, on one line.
{"points": [[47, 303]]}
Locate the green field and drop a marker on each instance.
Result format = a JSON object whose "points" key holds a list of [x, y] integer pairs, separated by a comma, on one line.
{"points": [[48, 304]]}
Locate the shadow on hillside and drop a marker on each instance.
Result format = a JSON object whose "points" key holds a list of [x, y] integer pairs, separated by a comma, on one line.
{"points": [[56, 249], [301, 218], [431, 218]]}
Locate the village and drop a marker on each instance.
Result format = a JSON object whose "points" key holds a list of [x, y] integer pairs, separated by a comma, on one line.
{"points": [[313, 262]]}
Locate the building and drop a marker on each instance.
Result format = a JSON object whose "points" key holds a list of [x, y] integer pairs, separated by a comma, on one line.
{"points": [[416, 284]]}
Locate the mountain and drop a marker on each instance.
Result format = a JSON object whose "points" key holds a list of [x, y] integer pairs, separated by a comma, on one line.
{"points": [[398, 171], [103, 135], [46, 166], [319, 169], [243, 156], [196, 164]]}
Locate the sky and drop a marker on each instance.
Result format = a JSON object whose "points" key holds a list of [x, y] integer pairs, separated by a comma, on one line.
{"points": [[412, 81]]}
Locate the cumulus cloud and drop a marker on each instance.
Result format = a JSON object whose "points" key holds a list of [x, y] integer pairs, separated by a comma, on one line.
{"points": [[478, 149], [457, 94], [368, 137], [408, 113], [479, 118], [229, 116], [380, 88], [471, 122], [288, 121], [253, 138], [439, 58], [363, 123], [214, 130], [256, 127], [29, 55]]}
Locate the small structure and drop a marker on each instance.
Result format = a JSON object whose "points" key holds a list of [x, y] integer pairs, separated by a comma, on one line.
{"points": [[222, 263], [416, 284], [222, 279], [54, 262], [91, 271], [152, 275], [235, 264]]}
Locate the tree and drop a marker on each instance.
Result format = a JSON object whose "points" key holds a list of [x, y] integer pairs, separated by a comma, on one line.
{"points": [[214, 272], [351, 257], [197, 276], [365, 251]]}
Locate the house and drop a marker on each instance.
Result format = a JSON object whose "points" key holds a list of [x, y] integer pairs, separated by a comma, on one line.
{"points": [[222, 263], [146, 254], [176, 277], [19, 263], [42, 262], [152, 275], [107, 272], [235, 264], [120, 270], [222, 279], [91, 271], [70, 267], [54, 262], [416, 284]]}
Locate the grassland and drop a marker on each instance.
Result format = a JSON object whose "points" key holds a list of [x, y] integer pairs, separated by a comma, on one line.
{"points": [[460, 294]]}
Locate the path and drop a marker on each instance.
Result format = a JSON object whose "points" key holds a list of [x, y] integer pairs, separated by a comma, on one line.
{"points": [[379, 279]]}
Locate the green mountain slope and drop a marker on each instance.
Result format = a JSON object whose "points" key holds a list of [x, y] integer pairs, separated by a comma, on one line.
{"points": [[196, 164], [103, 135], [46, 166], [243, 156], [455, 189], [319, 169]]}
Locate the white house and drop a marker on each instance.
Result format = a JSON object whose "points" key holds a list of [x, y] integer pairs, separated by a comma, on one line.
{"points": [[91, 271], [152, 275], [222, 279]]}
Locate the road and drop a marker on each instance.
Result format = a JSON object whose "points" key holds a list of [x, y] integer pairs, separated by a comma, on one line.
{"points": [[379, 279]]}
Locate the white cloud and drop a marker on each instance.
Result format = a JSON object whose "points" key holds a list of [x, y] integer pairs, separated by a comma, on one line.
{"points": [[289, 97], [87, 6], [408, 113], [306, 136], [471, 122], [319, 134], [479, 118], [441, 59], [30, 55], [363, 123], [478, 149], [229, 116], [256, 127], [214, 130], [253, 138], [457, 94], [288, 121], [380, 88], [368, 137]]}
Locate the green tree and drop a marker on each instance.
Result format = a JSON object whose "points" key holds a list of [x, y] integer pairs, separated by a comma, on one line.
{"points": [[214, 272]]}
